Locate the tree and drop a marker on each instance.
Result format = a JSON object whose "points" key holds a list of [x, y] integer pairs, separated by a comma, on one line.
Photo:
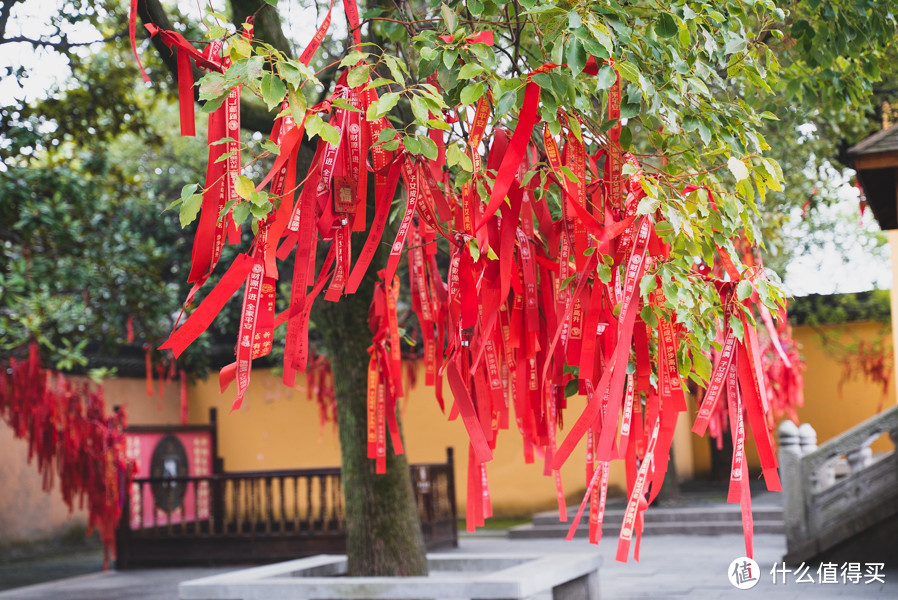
{"points": [[697, 84]]}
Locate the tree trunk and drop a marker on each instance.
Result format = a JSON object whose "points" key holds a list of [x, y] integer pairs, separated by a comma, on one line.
{"points": [[383, 533]]}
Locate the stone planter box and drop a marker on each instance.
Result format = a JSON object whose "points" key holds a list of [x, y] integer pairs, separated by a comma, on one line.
{"points": [[571, 576]]}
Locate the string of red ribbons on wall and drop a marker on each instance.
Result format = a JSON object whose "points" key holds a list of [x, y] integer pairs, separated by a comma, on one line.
{"points": [[71, 437]]}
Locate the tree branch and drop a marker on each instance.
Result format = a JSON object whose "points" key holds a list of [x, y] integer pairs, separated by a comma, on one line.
{"points": [[62, 46], [266, 23], [253, 116]]}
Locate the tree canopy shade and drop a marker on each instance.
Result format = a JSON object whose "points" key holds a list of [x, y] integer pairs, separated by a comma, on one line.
{"points": [[586, 168]]}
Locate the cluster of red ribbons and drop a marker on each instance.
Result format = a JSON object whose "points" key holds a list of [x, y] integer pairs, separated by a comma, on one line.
{"points": [[522, 314], [71, 437]]}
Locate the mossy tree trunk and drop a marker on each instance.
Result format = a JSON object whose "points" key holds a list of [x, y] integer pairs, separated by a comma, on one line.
{"points": [[383, 532]]}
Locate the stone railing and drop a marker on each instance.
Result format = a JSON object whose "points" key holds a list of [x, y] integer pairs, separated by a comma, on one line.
{"points": [[838, 490]]}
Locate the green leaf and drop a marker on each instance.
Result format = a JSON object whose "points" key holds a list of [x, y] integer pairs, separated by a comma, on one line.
{"points": [[626, 135], [737, 327], [569, 174], [383, 105], [736, 45], [190, 204], [647, 284], [259, 198], [471, 93], [212, 86], [506, 102], [605, 78], [455, 156], [663, 228], [215, 32], [574, 55], [449, 18], [469, 71], [475, 249], [227, 208], [450, 58], [240, 48], [412, 145], [345, 105], [378, 82], [395, 70], [386, 135], [476, 7], [212, 105], [439, 124], [241, 212], [297, 105], [271, 147], [259, 211], [428, 147], [244, 186], [357, 76], [573, 20], [666, 26], [648, 316], [628, 71], [353, 58], [289, 72], [313, 124], [420, 110], [273, 90], [701, 364], [744, 289], [330, 134], [273, 3], [225, 156]]}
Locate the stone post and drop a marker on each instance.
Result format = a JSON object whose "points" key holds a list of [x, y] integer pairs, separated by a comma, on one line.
{"points": [[790, 452]]}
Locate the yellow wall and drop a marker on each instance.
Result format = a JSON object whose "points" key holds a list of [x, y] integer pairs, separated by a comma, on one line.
{"points": [[27, 512], [827, 410], [278, 428]]}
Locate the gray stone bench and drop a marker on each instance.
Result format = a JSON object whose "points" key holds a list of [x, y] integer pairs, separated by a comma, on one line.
{"points": [[571, 576]]}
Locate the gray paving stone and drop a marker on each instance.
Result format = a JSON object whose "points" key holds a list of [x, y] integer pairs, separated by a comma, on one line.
{"points": [[671, 566]]}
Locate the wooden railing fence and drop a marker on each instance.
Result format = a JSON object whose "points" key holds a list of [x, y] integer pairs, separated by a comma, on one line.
{"points": [[262, 516]]}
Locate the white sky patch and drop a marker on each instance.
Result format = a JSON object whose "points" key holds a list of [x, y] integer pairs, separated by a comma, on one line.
{"points": [[840, 261]]}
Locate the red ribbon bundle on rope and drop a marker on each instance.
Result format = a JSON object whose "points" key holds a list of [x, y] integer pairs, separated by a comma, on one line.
{"points": [[72, 438], [532, 301]]}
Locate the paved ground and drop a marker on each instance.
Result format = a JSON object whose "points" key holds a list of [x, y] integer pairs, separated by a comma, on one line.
{"points": [[672, 566], [19, 573]]}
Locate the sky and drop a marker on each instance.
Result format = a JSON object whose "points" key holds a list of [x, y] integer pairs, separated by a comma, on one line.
{"points": [[826, 269]]}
